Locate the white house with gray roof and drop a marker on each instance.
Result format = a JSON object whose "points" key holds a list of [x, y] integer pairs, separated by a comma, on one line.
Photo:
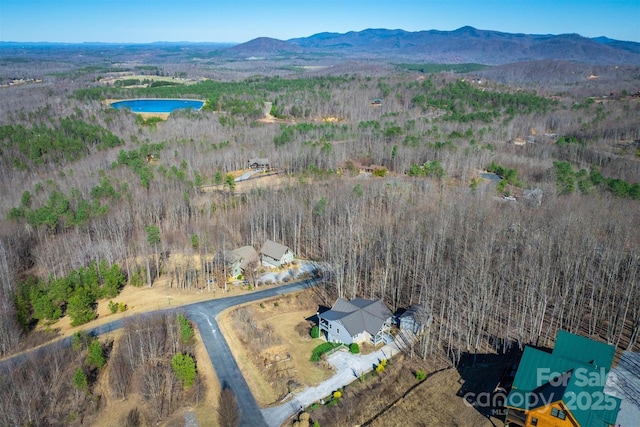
{"points": [[275, 254], [358, 320]]}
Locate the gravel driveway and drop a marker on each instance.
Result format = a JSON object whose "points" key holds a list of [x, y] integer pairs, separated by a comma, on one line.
{"points": [[348, 368]]}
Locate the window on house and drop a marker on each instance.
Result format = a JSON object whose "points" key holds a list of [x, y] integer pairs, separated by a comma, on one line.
{"points": [[338, 331], [555, 412], [534, 421]]}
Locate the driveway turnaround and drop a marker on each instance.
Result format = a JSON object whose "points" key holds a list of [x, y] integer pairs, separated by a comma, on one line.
{"points": [[348, 368]]}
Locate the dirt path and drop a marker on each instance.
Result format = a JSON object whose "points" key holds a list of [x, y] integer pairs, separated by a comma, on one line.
{"points": [[268, 118]]}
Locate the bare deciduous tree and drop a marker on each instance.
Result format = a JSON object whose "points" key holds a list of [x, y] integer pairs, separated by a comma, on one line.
{"points": [[228, 412]]}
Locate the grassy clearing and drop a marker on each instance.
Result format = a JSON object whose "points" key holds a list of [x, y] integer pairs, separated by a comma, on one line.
{"points": [[444, 408], [282, 364]]}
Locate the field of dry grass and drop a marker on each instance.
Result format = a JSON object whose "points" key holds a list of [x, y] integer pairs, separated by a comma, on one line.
{"points": [[140, 300], [396, 398], [268, 370], [433, 403]]}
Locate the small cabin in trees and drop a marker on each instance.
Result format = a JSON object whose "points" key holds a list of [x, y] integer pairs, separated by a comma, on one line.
{"points": [[356, 321], [414, 319], [564, 387], [275, 255], [258, 163], [238, 260]]}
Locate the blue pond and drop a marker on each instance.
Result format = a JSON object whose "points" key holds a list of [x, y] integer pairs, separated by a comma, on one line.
{"points": [[157, 105]]}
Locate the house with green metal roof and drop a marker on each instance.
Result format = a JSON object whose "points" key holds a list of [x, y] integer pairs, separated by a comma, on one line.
{"points": [[564, 387]]}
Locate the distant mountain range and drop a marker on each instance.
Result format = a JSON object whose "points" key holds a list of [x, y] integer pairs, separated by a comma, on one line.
{"points": [[466, 44]]}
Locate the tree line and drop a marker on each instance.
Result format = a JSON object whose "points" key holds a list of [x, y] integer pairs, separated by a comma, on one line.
{"points": [[74, 295], [69, 139]]}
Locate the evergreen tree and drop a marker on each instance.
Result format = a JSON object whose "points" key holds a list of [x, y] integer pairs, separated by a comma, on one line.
{"points": [[184, 367], [113, 281], [80, 380], [80, 307], [43, 306], [186, 331], [95, 356]]}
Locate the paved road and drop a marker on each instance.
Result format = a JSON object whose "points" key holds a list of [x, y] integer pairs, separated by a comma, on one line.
{"points": [[203, 314]]}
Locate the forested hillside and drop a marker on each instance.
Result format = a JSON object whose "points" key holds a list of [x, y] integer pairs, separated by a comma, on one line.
{"points": [[94, 197]]}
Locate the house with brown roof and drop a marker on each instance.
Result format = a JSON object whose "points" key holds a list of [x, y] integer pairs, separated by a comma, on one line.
{"points": [[356, 321], [238, 260], [365, 166]]}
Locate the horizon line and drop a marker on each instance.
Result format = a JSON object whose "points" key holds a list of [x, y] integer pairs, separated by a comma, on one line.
{"points": [[299, 37]]}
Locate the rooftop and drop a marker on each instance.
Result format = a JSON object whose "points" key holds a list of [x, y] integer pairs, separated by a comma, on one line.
{"points": [[576, 367], [359, 314]]}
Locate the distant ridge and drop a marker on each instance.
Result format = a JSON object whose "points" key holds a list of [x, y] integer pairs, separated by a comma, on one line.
{"points": [[264, 46], [464, 45], [469, 44], [630, 46]]}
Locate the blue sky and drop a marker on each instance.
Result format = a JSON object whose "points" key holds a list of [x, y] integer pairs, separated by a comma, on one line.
{"points": [[243, 20]]}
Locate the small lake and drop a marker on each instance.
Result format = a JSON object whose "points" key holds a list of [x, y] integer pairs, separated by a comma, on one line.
{"points": [[157, 105]]}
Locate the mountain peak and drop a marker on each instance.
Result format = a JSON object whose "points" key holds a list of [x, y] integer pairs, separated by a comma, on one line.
{"points": [[466, 30], [264, 46]]}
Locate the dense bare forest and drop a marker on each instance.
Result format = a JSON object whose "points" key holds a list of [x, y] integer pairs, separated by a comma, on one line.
{"points": [[84, 184], [63, 386]]}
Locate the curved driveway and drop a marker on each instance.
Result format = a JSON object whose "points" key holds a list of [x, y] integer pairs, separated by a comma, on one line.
{"points": [[203, 314]]}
